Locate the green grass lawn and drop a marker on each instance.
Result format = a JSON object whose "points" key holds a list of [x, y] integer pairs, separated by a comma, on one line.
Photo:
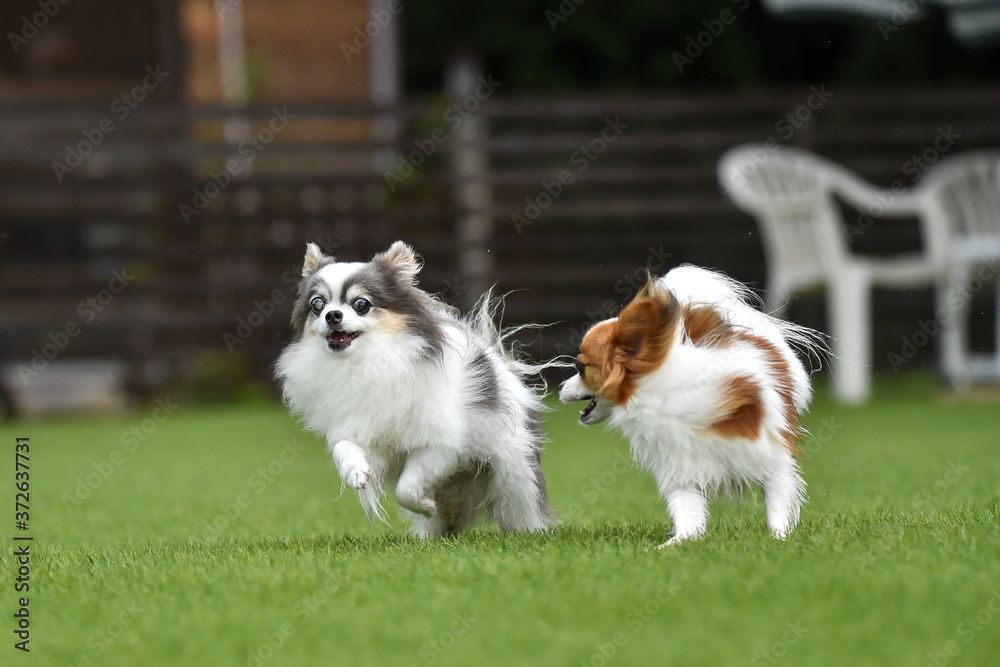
{"points": [[222, 539]]}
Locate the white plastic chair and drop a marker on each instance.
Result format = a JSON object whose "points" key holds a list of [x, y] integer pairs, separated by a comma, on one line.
{"points": [[962, 195], [792, 194]]}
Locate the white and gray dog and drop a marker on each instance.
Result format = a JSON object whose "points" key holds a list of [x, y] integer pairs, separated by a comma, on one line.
{"points": [[408, 393]]}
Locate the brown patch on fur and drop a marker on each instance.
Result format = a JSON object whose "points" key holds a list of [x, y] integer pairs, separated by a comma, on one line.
{"points": [[741, 404], [392, 322], [640, 341], [743, 408], [593, 355], [706, 327], [782, 378]]}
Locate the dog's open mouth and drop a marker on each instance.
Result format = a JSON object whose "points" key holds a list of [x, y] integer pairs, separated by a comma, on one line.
{"points": [[589, 409], [341, 340]]}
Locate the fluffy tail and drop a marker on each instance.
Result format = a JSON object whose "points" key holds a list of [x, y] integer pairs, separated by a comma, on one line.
{"points": [[694, 284], [483, 319]]}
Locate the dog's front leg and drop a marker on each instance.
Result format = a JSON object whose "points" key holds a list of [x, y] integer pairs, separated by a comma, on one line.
{"points": [[423, 472], [688, 508], [352, 464]]}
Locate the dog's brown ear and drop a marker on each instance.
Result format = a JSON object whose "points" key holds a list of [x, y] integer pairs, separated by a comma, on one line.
{"points": [[643, 334], [315, 260], [401, 259]]}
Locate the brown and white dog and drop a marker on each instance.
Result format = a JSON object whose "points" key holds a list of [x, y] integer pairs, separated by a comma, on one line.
{"points": [[708, 391]]}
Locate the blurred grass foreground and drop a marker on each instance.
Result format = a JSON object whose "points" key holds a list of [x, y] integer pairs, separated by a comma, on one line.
{"points": [[219, 536]]}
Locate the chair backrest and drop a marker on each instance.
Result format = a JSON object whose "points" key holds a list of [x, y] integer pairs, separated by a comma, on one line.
{"points": [[966, 191], [790, 193]]}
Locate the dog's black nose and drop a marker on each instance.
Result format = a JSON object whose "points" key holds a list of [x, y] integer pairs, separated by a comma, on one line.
{"points": [[334, 316]]}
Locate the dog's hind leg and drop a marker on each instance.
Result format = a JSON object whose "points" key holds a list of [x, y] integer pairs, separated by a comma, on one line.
{"points": [[784, 493], [427, 526], [423, 473], [461, 497], [518, 499]]}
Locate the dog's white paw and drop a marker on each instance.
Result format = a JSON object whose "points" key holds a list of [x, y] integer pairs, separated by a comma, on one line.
{"points": [[352, 464], [679, 539], [357, 477]]}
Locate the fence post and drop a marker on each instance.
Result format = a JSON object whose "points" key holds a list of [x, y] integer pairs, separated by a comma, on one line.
{"points": [[472, 193]]}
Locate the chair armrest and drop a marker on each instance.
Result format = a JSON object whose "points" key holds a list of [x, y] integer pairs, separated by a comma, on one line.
{"points": [[899, 202], [882, 202]]}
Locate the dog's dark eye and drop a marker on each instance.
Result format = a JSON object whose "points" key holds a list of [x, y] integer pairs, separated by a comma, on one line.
{"points": [[580, 367], [317, 304], [362, 305]]}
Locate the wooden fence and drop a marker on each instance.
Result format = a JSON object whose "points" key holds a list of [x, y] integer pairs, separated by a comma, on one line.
{"points": [[168, 238]]}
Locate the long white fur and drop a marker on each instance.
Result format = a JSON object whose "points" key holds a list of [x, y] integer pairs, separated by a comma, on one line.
{"points": [[668, 418], [393, 417]]}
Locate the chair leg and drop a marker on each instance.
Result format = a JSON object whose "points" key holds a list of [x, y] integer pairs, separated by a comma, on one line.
{"points": [[954, 327], [996, 333], [849, 306]]}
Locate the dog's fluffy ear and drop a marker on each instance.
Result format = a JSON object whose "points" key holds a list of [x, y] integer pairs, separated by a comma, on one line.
{"points": [[643, 334], [401, 259], [315, 260]]}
